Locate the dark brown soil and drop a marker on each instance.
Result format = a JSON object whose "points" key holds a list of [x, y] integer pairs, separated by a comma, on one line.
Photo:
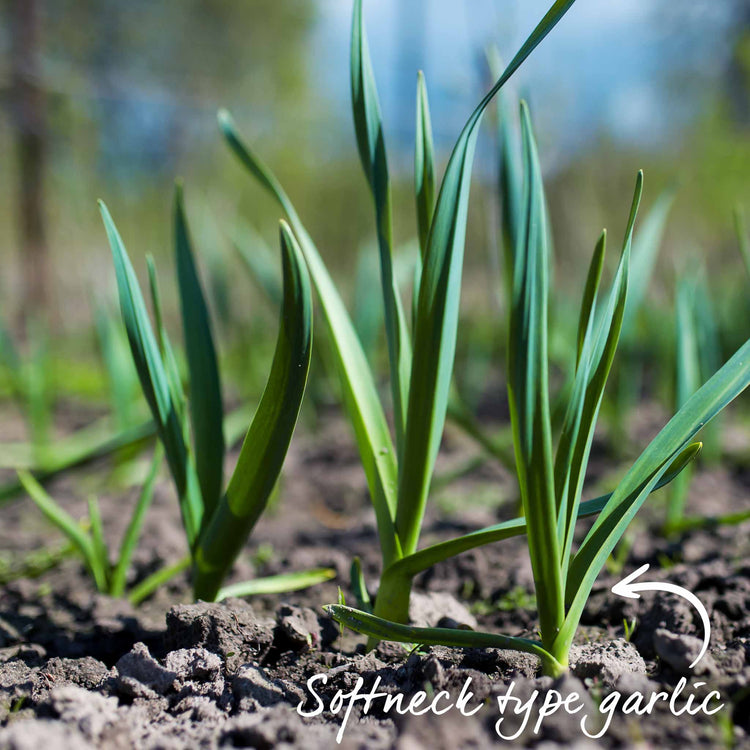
{"points": [[80, 670]]}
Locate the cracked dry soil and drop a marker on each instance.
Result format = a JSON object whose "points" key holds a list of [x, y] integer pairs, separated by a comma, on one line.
{"points": [[79, 670]]}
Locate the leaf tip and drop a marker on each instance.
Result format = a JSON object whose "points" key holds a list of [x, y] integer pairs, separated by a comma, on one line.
{"points": [[225, 120]]}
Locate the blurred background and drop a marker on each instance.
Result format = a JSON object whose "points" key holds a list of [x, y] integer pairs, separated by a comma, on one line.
{"points": [[114, 100]]}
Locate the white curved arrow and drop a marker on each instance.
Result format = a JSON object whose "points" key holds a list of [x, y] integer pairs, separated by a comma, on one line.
{"points": [[626, 587]]}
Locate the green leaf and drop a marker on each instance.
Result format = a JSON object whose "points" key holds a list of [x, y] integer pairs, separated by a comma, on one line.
{"points": [[278, 584], [148, 585], [632, 492], [511, 174], [425, 558], [171, 368], [688, 381], [438, 305], [259, 260], [68, 525], [688, 361], [424, 166], [130, 538], [528, 391], [154, 381], [267, 440], [377, 627], [371, 143], [359, 586], [118, 364], [367, 312], [360, 394], [645, 251], [585, 321], [600, 341], [206, 410]]}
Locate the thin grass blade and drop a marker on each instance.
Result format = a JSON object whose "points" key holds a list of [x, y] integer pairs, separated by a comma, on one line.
{"points": [[424, 166], [438, 305], [118, 364], [425, 558], [132, 533], [688, 380], [206, 410], [377, 627], [278, 584], [154, 381], [97, 539], [627, 499], [359, 586], [259, 261], [359, 390], [597, 354], [645, 251], [67, 525], [267, 440], [510, 169], [585, 321], [156, 580], [368, 126], [171, 368], [528, 389]]}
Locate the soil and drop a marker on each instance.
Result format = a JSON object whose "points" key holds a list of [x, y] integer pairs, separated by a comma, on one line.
{"points": [[81, 670]]}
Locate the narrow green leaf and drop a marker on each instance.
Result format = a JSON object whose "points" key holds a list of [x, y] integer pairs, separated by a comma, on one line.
{"points": [[597, 354], [367, 310], [711, 358], [154, 381], [359, 586], [376, 627], [688, 380], [171, 368], [585, 321], [148, 585], [278, 584], [118, 365], [634, 497], [645, 251], [625, 502], [688, 361], [528, 390], [438, 305], [424, 166], [67, 525], [267, 440], [205, 403], [99, 546], [510, 170], [360, 394], [259, 260], [425, 558], [132, 533], [371, 142]]}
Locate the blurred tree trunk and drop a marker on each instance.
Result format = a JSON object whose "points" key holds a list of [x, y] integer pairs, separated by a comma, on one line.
{"points": [[29, 123]]}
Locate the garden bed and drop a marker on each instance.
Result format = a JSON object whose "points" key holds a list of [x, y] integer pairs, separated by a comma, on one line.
{"points": [[80, 669]]}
